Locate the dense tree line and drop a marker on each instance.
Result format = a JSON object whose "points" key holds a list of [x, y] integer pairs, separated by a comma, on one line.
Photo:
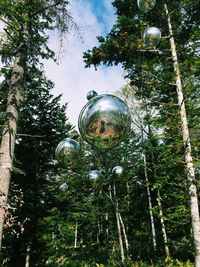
{"points": [[143, 217]]}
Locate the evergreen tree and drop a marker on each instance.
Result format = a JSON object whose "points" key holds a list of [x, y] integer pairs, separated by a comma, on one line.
{"points": [[43, 123], [25, 44], [154, 71]]}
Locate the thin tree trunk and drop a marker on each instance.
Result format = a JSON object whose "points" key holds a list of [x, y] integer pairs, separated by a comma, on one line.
{"points": [[163, 224], [107, 231], [75, 235], [194, 209], [9, 134], [150, 204], [118, 226], [120, 236], [27, 260], [124, 232]]}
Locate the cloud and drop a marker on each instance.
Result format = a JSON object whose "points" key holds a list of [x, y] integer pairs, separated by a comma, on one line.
{"points": [[71, 78]]}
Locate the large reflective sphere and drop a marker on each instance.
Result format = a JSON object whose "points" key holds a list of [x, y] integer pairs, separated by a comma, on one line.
{"points": [[104, 120], [67, 151], [117, 171], [152, 36], [91, 94], [146, 5], [94, 175]]}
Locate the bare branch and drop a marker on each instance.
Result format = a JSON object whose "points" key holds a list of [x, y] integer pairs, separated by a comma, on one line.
{"points": [[33, 136]]}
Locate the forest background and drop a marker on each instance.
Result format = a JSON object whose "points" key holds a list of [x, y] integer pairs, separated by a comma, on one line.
{"points": [[147, 217]]}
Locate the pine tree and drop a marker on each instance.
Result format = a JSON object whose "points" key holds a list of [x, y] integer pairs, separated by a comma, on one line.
{"points": [[153, 71], [25, 44]]}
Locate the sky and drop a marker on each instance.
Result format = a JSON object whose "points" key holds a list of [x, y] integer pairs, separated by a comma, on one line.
{"points": [[71, 78]]}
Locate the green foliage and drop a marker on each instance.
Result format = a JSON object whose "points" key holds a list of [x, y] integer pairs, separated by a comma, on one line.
{"points": [[50, 219]]}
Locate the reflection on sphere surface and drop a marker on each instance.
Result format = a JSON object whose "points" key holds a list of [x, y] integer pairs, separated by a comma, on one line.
{"points": [[94, 175], [152, 36], [64, 186], [146, 5], [117, 171], [91, 94], [104, 121], [67, 151]]}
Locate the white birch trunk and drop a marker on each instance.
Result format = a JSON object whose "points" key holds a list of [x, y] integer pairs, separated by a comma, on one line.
{"points": [[194, 209], [75, 235], [120, 236], [150, 205], [124, 232], [118, 226], [163, 224], [9, 135], [27, 260], [107, 231]]}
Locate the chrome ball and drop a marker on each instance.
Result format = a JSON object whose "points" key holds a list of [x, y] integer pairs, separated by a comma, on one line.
{"points": [[67, 151], [152, 36], [146, 5], [91, 94], [94, 175], [64, 186], [117, 171], [104, 121]]}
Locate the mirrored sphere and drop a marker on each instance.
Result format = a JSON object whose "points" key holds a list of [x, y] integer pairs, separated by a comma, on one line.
{"points": [[67, 151], [146, 5], [94, 175], [64, 186], [152, 36], [104, 121], [91, 94], [117, 171]]}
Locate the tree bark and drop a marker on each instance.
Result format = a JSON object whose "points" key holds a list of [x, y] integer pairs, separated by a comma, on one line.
{"points": [[27, 260], [120, 236], [75, 235], [124, 232], [118, 225], [150, 205], [194, 209], [163, 225], [9, 133]]}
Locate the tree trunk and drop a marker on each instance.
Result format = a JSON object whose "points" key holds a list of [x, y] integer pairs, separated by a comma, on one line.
{"points": [[75, 235], [27, 260], [119, 236], [124, 232], [163, 225], [9, 134], [194, 209], [107, 231], [118, 226], [150, 205]]}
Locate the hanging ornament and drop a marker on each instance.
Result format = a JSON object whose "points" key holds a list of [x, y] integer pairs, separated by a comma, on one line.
{"points": [[117, 171], [64, 186], [152, 36], [104, 121], [67, 151], [94, 175], [146, 5], [91, 94]]}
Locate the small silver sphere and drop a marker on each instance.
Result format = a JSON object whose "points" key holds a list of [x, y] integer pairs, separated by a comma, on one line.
{"points": [[67, 151], [64, 186], [91, 94], [94, 175], [117, 171], [146, 5], [104, 121], [152, 36]]}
